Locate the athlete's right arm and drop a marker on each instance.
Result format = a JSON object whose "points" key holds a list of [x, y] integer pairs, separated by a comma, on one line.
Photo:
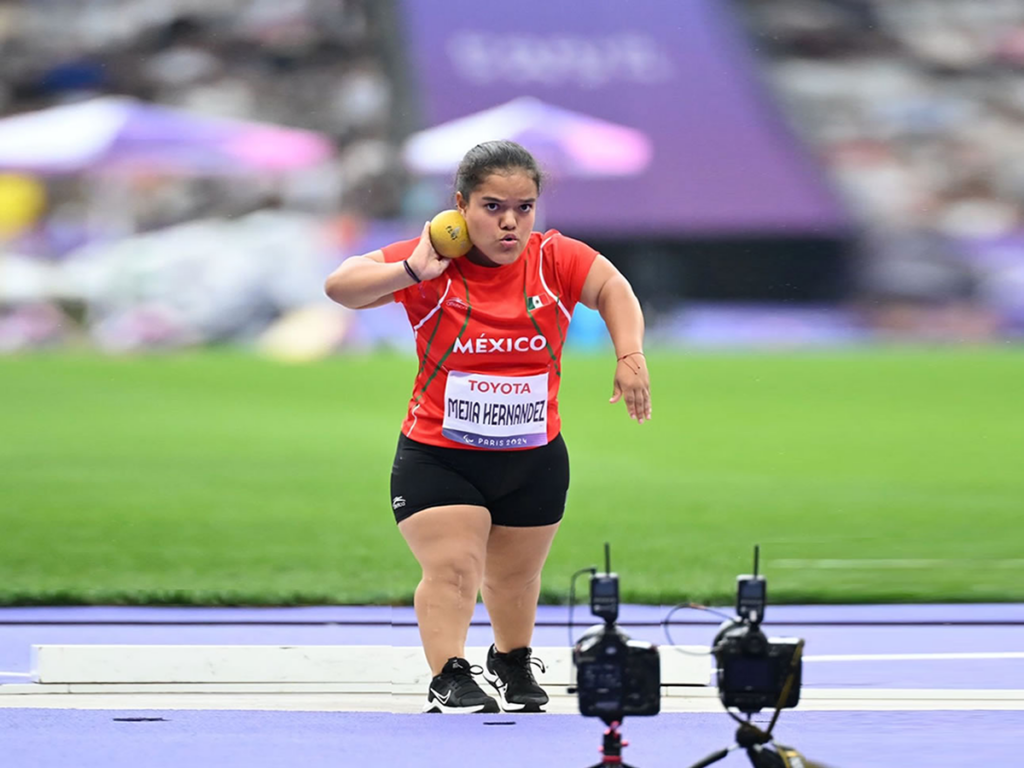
{"points": [[367, 281]]}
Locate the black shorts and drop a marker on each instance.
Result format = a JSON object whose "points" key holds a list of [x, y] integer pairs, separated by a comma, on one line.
{"points": [[519, 488]]}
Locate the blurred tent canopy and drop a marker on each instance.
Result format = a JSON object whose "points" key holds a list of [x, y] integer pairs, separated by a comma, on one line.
{"points": [[121, 134], [566, 142]]}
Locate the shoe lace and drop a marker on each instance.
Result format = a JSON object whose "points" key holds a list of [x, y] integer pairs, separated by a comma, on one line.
{"points": [[520, 668], [460, 679]]}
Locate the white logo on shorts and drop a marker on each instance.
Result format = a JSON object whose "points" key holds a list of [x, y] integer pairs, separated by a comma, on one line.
{"points": [[398, 501]]}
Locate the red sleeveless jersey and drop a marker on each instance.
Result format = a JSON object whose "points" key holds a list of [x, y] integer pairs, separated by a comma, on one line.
{"points": [[489, 342]]}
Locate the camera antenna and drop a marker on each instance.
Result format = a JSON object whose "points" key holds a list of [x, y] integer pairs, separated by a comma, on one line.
{"points": [[604, 590], [751, 593]]}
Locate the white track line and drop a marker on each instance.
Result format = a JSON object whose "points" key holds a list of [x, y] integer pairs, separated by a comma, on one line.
{"points": [[898, 563], [917, 656]]}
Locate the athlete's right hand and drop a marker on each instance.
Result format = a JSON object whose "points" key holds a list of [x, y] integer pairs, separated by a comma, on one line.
{"points": [[425, 261]]}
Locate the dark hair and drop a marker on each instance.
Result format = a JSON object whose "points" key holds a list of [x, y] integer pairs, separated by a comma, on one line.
{"points": [[494, 157]]}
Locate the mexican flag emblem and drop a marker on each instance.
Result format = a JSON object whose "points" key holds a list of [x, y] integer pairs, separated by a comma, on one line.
{"points": [[534, 302]]}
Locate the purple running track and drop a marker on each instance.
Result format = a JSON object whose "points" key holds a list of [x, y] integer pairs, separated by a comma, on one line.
{"points": [[828, 630], [48, 738], [97, 739]]}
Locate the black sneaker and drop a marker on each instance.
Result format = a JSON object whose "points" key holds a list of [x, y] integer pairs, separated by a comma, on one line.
{"points": [[454, 691], [512, 677]]}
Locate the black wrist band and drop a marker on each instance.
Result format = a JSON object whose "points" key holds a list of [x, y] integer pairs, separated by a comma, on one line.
{"points": [[412, 274]]}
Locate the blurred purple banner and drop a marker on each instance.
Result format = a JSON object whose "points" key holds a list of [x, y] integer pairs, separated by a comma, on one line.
{"points": [[679, 71]]}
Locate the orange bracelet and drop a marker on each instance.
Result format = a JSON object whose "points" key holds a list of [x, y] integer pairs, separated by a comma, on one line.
{"points": [[623, 359]]}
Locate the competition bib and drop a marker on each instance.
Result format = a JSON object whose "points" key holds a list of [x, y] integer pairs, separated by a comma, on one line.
{"points": [[496, 411]]}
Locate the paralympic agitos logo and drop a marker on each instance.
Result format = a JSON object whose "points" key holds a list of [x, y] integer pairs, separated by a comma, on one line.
{"points": [[486, 344]]}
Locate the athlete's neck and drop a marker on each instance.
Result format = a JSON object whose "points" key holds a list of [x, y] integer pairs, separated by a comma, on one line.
{"points": [[477, 257]]}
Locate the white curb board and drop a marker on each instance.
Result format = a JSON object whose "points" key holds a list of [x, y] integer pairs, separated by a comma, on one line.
{"points": [[210, 697], [369, 668]]}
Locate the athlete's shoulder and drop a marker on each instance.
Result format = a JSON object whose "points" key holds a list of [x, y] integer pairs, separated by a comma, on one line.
{"points": [[551, 238], [560, 243], [400, 250], [568, 261]]}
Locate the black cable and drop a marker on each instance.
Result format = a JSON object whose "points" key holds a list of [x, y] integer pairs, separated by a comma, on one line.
{"points": [[572, 600], [737, 718]]}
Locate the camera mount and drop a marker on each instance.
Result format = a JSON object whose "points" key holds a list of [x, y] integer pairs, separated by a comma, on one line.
{"points": [[616, 676], [611, 750], [755, 672]]}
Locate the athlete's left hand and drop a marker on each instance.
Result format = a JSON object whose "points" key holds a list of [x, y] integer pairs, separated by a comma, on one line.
{"points": [[633, 383]]}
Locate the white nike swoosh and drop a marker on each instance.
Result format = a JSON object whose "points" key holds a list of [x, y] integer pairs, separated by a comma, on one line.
{"points": [[442, 699]]}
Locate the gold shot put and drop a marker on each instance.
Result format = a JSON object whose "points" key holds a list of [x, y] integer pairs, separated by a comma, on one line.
{"points": [[449, 234]]}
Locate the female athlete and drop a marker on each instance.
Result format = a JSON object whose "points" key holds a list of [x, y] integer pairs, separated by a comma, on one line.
{"points": [[479, 480]]}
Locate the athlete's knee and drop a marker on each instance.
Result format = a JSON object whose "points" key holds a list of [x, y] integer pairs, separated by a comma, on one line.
{"points": [[511, 583], [464, 573]]}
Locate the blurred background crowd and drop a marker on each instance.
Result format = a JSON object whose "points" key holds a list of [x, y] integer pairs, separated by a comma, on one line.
{"points": [[316, 64], [912, 113], [916, 111]]}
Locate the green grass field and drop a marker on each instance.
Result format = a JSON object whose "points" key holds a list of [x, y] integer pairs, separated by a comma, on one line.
{"points": [[219, 478]]}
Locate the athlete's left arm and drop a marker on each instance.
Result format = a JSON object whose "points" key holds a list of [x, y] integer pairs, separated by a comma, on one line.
{"points": [[607, 291]]}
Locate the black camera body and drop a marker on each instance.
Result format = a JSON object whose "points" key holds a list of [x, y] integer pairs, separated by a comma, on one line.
{"points": [[616, 676], [753, 669]]}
